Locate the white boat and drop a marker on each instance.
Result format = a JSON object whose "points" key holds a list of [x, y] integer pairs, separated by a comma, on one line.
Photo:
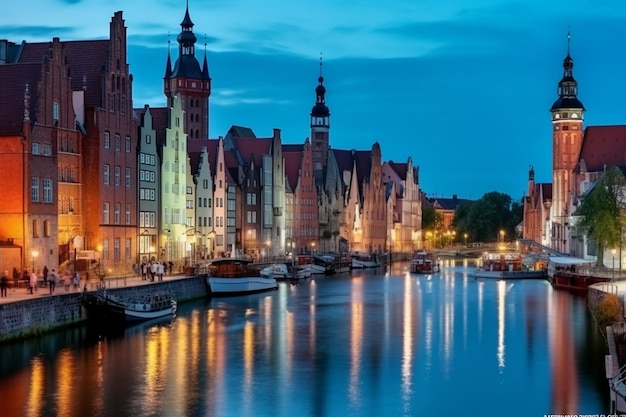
{"points": [[363, 260], [230, 276], [424, 262], [110, 308], [284, 272], [511, 265], [322, 264]]}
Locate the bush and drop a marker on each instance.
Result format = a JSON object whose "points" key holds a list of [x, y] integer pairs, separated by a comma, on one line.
{"points": [[608, 311]]}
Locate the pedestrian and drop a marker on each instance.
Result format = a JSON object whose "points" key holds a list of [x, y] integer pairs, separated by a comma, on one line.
{"points": [[16, 278], [144, 271], [153, 271], [160, 270], [52, 280], [26, 279], [4, 283], [76, 280], [171, 264], [45, 276], [33, 282]]}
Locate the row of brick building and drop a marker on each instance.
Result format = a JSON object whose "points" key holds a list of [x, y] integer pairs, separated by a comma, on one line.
{"points": [[580, 156], [101, 180]]}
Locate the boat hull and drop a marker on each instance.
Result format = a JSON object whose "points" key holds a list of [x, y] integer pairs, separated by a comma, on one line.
{"points": [[108, 310], [240, 285], [573, 282]]}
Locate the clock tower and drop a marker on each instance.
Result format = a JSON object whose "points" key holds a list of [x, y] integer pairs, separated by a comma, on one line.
{"points": [[191, 82], [320, 127], [567, 136]]}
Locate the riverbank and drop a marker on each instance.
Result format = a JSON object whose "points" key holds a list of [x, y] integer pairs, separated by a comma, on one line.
{"points": [[25, 315]]}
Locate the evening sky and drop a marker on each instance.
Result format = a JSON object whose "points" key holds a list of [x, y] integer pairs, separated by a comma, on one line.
{"points": [[462, 87]]}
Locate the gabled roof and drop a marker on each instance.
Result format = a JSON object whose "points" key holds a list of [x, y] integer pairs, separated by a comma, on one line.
{"points": [[448, 203], [241, 132], [86, 60], [603, 146], [248, 148], [194, 148], [293, 163], [13, 79], [399, 168]]}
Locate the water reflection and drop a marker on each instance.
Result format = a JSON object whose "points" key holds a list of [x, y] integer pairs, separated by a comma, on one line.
{"points": [[359, 344]]}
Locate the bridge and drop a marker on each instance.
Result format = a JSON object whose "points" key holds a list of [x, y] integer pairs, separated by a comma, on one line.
{"points": [[477, 249]]}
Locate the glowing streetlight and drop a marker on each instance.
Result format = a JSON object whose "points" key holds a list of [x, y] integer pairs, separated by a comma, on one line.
{"points": [[502, 232], [35, 254], [465, 237]]}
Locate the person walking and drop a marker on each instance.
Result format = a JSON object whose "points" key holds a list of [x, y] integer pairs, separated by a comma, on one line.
{"points": [[52, 280], [4, 283], [33, 282], [45, 276], [16, 278], [76, 280]]}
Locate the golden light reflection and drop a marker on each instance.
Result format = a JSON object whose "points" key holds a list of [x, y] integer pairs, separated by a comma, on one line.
{"points": [[501, 324], [447, 319], [216, 359], [356, 339], [36, 388], [312, 318], [407, 341], [64, 389], [248, 364]]}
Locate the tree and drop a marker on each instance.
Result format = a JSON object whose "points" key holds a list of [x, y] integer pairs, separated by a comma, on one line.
{"points": [[484, 219], [601, 210]]}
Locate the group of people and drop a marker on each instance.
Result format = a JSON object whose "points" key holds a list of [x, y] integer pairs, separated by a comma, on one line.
{"points": [[31, 279], [154, 270]]}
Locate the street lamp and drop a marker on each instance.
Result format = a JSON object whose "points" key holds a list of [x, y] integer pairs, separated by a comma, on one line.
{"points": [[465, 237], [313, 246], [268, 243], [502, 236], [613, 251], [35, 254]]}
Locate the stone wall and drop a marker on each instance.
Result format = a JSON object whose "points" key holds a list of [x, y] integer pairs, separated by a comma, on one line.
{"points": [[32, 317]]}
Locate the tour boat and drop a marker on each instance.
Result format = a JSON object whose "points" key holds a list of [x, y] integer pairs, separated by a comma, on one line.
{"points": [[364, 260], [109, 307], [511, 265], [423, 262], [230, 276], [574, 274], [340, 263]]}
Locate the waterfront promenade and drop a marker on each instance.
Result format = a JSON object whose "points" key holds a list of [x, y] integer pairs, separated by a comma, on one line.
{"points": [[22, 293]]}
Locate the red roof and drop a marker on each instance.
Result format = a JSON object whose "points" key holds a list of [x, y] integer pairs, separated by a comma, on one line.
{"points": [[86, 60], [604, 146], [13, 79], [253, 147], [293, 162]]}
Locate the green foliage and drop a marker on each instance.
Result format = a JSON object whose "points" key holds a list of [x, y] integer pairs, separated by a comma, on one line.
{"points": [[430, 218], [483, 219], [599, 215]]}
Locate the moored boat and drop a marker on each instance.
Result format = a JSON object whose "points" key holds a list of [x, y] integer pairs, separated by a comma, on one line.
{"points": [[511, 265], [423, 262], [231, 276], [281, 271], [363, 260], [108, 307], [574, 274], [322, 264]]}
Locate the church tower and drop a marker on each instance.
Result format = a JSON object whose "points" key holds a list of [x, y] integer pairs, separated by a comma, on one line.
{"points": [[567, 136], [320, 127], [189, 81]]}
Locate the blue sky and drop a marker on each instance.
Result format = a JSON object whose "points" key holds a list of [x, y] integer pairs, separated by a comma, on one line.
{"points": [[464, 88]]}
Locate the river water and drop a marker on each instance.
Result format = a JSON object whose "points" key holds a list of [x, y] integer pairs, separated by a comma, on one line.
{"points": [[365, 343]]}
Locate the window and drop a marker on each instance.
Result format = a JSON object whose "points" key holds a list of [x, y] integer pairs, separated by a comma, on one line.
{"points": [[127, 177], [116, 248], [148, 139], [47, 190], [106, 175], [107, 140], [127, 144], [105, 249], [46, 150], [127, 249], [55, 110], [117, 176], [34, 190], [116, 218], [35, 228], [46, 228], [118, 143], [105, 213], [127, 213], [34, 149]]}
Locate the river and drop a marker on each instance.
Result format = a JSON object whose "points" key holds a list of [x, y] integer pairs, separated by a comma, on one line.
{"points": [[365, 343]]}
